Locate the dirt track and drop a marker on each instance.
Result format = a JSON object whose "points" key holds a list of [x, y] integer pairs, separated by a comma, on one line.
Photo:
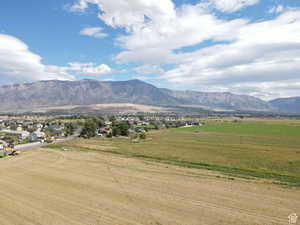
{"points": [[49, 187]]}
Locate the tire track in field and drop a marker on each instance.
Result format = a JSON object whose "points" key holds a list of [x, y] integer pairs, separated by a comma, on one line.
{"points": [[212, 205], [29, 205], [201, 203], [53, 165], [124, 189], [62, 157], [109, 218], [204, 203]]}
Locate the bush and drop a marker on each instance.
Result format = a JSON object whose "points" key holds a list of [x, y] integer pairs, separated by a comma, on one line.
{"points": [[142, 136]]}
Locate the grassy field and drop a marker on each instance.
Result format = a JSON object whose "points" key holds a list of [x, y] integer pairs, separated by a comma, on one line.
{"points": [[259, 128], [252, 149]]}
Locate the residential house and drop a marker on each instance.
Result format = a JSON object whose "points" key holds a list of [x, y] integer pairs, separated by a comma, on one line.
{"points": [[37, 136], [20, 134]]}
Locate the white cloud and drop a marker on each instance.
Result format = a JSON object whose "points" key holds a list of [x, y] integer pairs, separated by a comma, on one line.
{"points": [[89, 68], [96, 32], [259, 58], [129, 14], [229, 6], [265, 55], [276, 9], [149, 69], [192, 25], [19, 64]]}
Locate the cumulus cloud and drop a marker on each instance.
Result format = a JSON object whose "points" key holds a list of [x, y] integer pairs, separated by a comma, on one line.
{"points": [[276, 9], [149, 69], [89, 68], [96, 32], [19, 64], [229, 6], [128, 14], [260, 58], [192, 25], [263, 53]]}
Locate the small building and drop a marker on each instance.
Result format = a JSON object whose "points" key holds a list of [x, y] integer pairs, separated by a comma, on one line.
{"points": [[37, 136], [38, 126], [103, 130], [20, 134]]}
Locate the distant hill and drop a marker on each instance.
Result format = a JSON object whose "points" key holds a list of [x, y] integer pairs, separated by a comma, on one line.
{"points": [[287, 105], [223, 100], [54, 93]]}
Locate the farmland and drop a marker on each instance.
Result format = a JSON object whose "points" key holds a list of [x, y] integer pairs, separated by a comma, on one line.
{"points": [[279, 128], [52, 187], [175, 177], [251, 149]]}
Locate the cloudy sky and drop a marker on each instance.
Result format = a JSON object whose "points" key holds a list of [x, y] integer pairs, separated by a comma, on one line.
{"points": [[242, 46]]}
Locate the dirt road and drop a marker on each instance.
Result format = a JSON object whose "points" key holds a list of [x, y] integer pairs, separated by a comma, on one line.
{"points": [[49, 187]]}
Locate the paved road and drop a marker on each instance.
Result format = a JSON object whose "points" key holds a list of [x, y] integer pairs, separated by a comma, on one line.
{"points": [[34, 145], [39, 144]]}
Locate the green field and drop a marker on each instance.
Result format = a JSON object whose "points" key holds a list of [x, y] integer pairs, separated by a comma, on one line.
{"points": [[252, 149], [251, 128]]}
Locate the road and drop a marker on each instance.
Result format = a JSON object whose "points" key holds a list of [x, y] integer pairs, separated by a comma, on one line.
{"points": [[39, 144], [33, 145]]}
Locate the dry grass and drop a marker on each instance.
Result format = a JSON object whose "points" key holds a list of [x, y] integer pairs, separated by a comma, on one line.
{"points": [[82, 188], [256, 155]]}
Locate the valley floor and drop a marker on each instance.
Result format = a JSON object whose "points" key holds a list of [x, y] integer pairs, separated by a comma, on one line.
{"points": [[52, 187]]}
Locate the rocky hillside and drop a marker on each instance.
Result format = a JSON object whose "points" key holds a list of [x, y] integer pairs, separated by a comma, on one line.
{"points": [[223, 100], [85, 92]]}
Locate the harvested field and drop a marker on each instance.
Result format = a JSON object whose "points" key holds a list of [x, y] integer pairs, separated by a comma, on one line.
{"points": [[52, 187], [116, 108], [274, 157]]}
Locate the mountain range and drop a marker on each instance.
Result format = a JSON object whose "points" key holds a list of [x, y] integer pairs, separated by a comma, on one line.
{"points": [[54, 93], [287, 105]]}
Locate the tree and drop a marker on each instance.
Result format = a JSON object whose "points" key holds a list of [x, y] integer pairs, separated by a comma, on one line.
{"points": [[69, 129], [99, 122], [116, 131], [89, 129], [112, 118], [124, 127], [141, 117], [120, 128]]}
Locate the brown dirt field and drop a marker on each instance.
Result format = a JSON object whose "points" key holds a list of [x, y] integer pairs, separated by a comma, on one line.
{"points": [[49, 187], [118, 107]]}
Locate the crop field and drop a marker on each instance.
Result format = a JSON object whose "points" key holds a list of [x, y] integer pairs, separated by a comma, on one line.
{"points": [[249, 149], [259, 128]]}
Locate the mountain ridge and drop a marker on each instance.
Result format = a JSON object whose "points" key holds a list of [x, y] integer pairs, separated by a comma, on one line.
{"points": [[86, 92], [287, 105]]}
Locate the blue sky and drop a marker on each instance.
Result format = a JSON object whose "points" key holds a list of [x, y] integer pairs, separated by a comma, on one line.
{"points": [[243, 46]]}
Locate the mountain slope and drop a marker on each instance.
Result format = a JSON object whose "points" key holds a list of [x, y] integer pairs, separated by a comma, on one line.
{"points": [[87, 92], [287, 105], [225, 100]]}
